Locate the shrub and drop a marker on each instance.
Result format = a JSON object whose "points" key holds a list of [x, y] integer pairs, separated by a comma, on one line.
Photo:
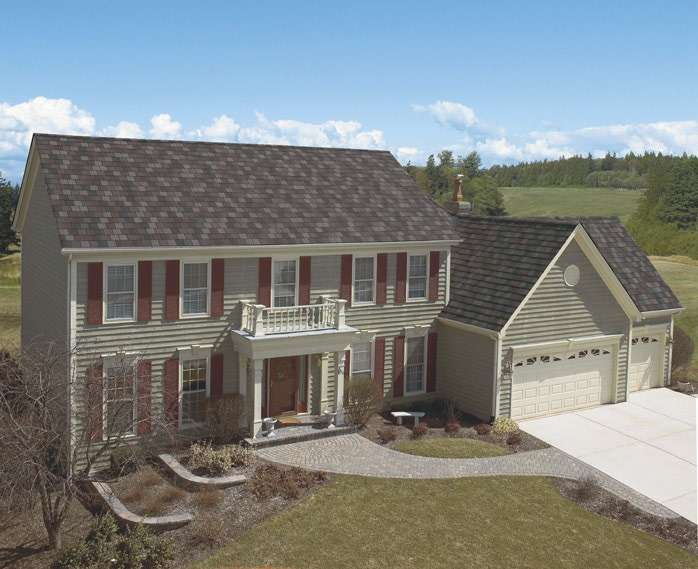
{"points": [[365, 400], [148, 477], [206, 460], [171, 494], [451, 412], [504, 426], [419, 430], [206, 530], [270, 480], [514, 439], [208, 499], [585, 488], [682, 350], [387, 434], [483, 429], [138, 548], [452, 427], [225, 416], [126, 459], [240, 455]]}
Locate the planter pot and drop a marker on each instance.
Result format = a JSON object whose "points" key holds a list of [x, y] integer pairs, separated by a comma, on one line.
{"points": [[682, 386]]}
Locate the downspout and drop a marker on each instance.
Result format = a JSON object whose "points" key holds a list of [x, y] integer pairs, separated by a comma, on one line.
{"points": [[496, 382], [671, 351]]}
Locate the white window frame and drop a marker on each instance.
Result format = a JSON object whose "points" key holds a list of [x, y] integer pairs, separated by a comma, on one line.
{"points": [[355, 302], [426, 282], [105, 294], [208, 287], [117, 360], [190, 353], [363, 338], [273, 284], [411, 333]]}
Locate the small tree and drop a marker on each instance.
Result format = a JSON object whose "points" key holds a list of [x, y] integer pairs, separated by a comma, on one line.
{"points": [[7, 210], [224, 417], [365, 400], [682, 350]]}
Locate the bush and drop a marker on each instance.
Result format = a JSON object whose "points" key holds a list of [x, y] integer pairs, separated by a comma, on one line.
{"points": [[682, 350], [504, 426], [126, 459], [270, 480], [419, 430], [483, 429], [585, 488], [208, 499], [365, 400], [206, 530], [387, 434], [138, 548], [514, 439], [452, 427], [451, 412], [204, 459], [225, 417]]}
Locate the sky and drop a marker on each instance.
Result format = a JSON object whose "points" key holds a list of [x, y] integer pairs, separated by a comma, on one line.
{"points": [[513, 81]]}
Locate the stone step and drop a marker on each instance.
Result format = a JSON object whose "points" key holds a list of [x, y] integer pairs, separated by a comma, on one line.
{"points": [[296, 434]]}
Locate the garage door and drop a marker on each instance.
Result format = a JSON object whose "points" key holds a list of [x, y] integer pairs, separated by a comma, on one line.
{"points": [[645, 363], [548, 383]]}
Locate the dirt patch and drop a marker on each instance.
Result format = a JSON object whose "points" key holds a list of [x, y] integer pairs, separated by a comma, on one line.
{"points": [[436, 430], [595, 499]]}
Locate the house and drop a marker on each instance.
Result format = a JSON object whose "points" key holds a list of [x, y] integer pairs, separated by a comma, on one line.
{"points": [[281, 272]]}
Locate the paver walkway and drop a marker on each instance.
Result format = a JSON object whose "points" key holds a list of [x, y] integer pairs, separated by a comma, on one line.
{"points": [[354, 454]]}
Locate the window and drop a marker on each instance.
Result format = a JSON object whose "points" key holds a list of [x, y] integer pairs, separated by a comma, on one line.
{"points": [[120, 295], [414, 368], [363, 279], [417, 277], [194, 390], [119, 399], [194, 288], [284, 283], [361, 359]]}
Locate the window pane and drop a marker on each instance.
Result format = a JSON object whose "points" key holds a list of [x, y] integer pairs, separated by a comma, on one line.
{"points": [[195, 275], [364, 268], [363, 291], [418, 276], [361, 358], [120, 292], [284, 283], [414, 370], [119, 391], [193, 390], [363, 279], [195, 288]]}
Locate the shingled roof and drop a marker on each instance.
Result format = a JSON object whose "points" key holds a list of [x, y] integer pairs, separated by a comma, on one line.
{"points": [[501, 258], [110, 193]]}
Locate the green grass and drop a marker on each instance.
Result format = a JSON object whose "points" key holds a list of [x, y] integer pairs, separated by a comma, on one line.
{"points": [[571, 201], [451, 448], [681, 274], [511, 522], [9, 300]]}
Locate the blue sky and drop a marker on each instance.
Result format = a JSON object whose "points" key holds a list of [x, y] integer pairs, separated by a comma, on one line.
{"points": [[512, 80]]}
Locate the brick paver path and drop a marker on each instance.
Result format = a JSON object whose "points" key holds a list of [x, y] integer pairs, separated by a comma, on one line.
{"points": [[354, 454]]}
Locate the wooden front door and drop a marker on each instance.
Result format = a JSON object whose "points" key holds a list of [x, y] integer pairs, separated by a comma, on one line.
{"points": [[283, 385]]}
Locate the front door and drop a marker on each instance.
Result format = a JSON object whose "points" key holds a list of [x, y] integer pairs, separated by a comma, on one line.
{"points": [[284, 375]]}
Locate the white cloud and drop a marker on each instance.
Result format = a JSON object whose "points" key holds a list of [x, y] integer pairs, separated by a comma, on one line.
{"points": [[453, 115], [165, 127], [221, 129], [124, 129]]}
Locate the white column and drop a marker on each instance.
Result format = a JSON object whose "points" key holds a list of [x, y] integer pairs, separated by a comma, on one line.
{"points": [[257, 376], [242, 374], [324, 380], [340, 358]]}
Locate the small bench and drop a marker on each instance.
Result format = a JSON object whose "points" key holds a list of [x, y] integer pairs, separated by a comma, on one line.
{"points": [[416, 415]]}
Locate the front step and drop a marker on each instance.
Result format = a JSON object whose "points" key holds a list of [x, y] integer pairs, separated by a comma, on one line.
{"points": [[296, 434]]}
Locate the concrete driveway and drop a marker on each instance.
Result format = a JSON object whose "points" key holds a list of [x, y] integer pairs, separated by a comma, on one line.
{"points": [[647, 443]]}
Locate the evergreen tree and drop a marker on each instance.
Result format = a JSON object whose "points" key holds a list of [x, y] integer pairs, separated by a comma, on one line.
{"points": [[8, 201]]}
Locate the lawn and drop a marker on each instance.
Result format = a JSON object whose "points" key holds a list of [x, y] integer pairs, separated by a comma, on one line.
{"points": [[571, 201], [478, 522], [681, 273], [9, 300], [450, 448]]}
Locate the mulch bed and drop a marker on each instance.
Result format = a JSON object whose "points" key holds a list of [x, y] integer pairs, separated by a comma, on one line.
{"points": [[436, 430]]}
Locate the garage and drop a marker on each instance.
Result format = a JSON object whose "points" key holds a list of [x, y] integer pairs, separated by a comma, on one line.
{"points": [[547, 383], [645, 369]]}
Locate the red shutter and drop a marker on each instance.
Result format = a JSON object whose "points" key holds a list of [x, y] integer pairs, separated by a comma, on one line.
{"points": [[381, 278], [304, 281], [217, 286], [379, 362], [398, 366], [431, 361], [172, 391], [145, 290], [95, 401], [172, 289], [145, 369], [347, 268], [216, 374], [434, 262], [401, 278], [264, 288], [95, 290], [347, 366]]}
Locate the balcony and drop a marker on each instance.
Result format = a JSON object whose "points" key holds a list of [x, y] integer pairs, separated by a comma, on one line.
{"points": [[259, 320]]}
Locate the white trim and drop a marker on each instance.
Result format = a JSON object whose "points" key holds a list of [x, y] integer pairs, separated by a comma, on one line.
{"points": [[191, 356], [468, 327], [659, 331], [28, 179], [277, 259], [425, 364], [669, 356], [496, 385], [371, 302], [448, 277], [364, 337], [72, 345], [183, 262], [650, 330], [568, 344], [110, 362], [195, 351], [414, 331], [105, 293], [411, 254], [666, 312]]}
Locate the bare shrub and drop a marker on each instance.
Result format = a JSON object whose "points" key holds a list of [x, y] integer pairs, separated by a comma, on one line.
{"points": [[206, 530], [270, 480], [225, 417], [387, 434], [682, 349], [585, 488], [148, 477], [483, 429], [171, 494], [419, 430], [208, 499], [452, 427], [133, 493], [451, 412], [514, 439], [365, 400]]}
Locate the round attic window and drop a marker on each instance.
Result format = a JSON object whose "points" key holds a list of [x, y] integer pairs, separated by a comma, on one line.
{"points": [[571, 275]]}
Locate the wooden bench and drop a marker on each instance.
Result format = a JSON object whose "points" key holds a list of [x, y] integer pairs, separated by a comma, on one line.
{"points": [[416, 415]]}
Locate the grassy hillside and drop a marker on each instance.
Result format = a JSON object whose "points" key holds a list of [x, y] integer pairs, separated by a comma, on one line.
{"points": [[521, 201]]}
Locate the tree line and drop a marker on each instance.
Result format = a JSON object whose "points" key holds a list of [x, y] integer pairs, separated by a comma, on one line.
{"points": [[9, 196]]}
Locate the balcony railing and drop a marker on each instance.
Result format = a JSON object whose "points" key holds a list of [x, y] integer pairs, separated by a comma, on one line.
{"points": [[260, 320]]}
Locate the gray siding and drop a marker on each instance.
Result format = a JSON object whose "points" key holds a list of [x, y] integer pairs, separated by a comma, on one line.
{"points": [[556, 312], [44, 300], [465, 369]]}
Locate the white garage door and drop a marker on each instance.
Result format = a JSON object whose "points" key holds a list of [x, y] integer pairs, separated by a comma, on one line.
{"points": [[645, 363], [550, 383]]}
